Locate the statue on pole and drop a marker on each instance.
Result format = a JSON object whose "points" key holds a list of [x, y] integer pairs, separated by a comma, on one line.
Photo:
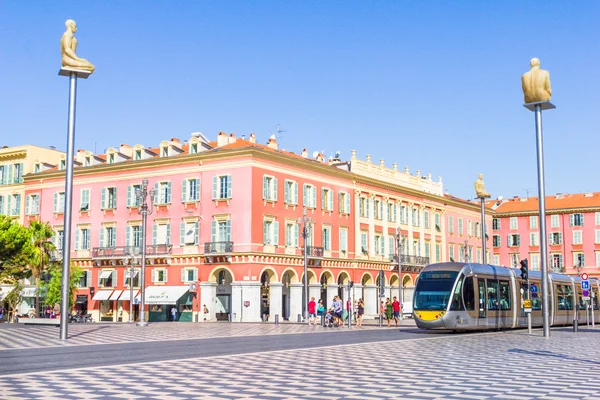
{"points": [[480, 188], [536, 83], [68, 47]]}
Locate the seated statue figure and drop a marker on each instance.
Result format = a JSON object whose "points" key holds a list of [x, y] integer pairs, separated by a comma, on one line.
{"points": [[536, 83], [68, 47], [480, 189]]}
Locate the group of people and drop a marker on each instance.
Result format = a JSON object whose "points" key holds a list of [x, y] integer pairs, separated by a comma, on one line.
{"points": [[336, 311], [390, 310]]}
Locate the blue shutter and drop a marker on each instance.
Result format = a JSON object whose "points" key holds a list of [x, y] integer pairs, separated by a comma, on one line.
{"points": [[184, 193], [265, 188], [182, 233], [103, 204], [276, 233], [196, 236], [213, 231], [228, 230], [154, 232], [229, 186], [168, 192], [295, 192], [275, 189], [127, 236], [214, 189]]}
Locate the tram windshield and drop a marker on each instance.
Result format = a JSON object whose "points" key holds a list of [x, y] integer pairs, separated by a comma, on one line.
{"points": [[434, 289]]}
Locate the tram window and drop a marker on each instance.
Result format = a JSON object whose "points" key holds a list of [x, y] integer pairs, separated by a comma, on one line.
{"points": [[469, 294], [492, 294], [560, 297], [582, 302], [595, 293], [536, 295], [504, 295], [568, 293], [457, 304]]}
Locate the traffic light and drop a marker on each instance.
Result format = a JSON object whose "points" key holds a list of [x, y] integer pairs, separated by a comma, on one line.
{"points": [[524, 270]]}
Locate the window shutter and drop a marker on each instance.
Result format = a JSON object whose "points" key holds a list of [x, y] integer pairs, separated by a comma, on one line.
{"points": [[214, 188], [275, 189], [9, 172], [276, 233], [288, 235], [184, 193], [296, 235], [183, 275], [77, 239], [295, 193], [213, 231], [560, 238], [102, 237], [228, 230], [154, 275], [368, 205], [166, 275], [360, 207], [229, 187], [154, 231], [27, 206], [196, 233], [99, 280], [343, 240], [380, 209], [518, 240], [129, 195], [323, 199], [581, 216], [331, 201], [88, 278], [157, 199], [286, 192], [168, 239], [56, 202], [195, 274], [36, 204], [305, 195], [114, 278], [168, 192], [114, 199], [197, 196], [128, 236], [265, 232], [182, 233], [103, 204], [347, 208], [340, 202], [265, 188], [571, 219]]}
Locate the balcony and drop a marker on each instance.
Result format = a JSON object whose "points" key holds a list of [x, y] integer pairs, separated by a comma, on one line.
{"points": [[56, 255], [119, 252], [410, 263], [314, 255], [218, 251]]}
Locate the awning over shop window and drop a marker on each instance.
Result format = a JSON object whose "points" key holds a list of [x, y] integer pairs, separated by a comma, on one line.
{"points": [[105, 274], [4, 290], [126, 293], [115, 295], [102, 295], [164, 294]]}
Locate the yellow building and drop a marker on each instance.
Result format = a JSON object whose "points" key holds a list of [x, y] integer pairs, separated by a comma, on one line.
{"points": [[15, 162]]}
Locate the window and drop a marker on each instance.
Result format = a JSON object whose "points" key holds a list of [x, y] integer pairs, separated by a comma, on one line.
{"points": [[577, 237], [84, 203], [450, 224], [496, 260], [162, 193], [597, 236], [190, 190], [62, 165], [87, 161], [159, 275], [514, 240], [327, 199], [13, 204], [438, 252], [555, 221], [555, 238], [504, 295], [32, 206], [438, 226], [460, 226], [136, 276], [470, 228], [426, 219], [416, 248], [132, 199], [576, 219], [111, 158], [496, 241], [564, 297], [534, 239], [451, 252], [165, 152], [496, 224], [479, 255], [271, 232], [416, 216], [221, 231], [59, 202], [58, 239], [344, 203], [138, 155], [189, 275], [477, 229], [107, 278], [534, 263], [427, 249], [133, 235], [309, 198], [404, 215], [578, 260], [597, 218], [493, 294], [109, 198], [161, 233], [188, 233], [533, 222], [598, 259], [82, 239], [269, 188], [377, 209], [85, 280], [194, 148], [379, 244], [364, 244], [514, 223], [557, 262], [326, 238], [391, 212], [36, 168], [221, 187], [290, 192], [108, 237], [2, 175], [363, 207], [292, 231]]}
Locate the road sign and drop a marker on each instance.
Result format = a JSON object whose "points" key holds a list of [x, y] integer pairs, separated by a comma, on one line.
{"points": [[534, 289], [586, 293], [584, 276], [585, 284]]}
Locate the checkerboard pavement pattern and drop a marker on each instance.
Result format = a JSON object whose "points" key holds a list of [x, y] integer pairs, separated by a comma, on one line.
{"points": [[89, 334], [507, 365]]}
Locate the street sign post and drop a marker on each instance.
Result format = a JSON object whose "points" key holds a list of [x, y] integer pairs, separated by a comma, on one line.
{"points": [[584, 276], [527, 306], [585, 285]]}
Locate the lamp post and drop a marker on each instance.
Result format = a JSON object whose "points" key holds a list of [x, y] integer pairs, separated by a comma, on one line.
{"points": [[399, 244], [305, 221], [144, 211], [131, 257], [466, 251]]}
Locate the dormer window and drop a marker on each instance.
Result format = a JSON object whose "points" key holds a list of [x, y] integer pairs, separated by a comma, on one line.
{"points": [[62, 165], [111, 158], [165, 152], [87, 161], [138, 155], [36, 168], [194, 148]]}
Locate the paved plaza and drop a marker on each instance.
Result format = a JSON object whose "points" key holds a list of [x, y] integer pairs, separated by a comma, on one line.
{"points": [[502, 365]]}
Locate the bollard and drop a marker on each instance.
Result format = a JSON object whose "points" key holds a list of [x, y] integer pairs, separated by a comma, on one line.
{"points": [[276, 319], [322, 319], [299, 317], [575, 325], [263, 318]]}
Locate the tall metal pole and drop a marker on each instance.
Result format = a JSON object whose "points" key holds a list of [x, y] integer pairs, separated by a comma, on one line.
{"points": [[131, 272], [305, 302], [66, 264], [483, 230], [144, 211], [398, 250], [542, 203]]}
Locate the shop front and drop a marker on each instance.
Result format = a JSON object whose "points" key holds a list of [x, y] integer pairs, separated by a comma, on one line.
{"points": [[106, 312], [116, 306], [81, 303], [27, 306], [162, 299], [125, 300]]}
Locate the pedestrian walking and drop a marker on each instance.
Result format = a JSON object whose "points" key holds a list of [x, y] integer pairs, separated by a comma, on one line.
{"points": [[360, 310], [396, 307], [205, 311], [389, 311], [337, 310], [312, 311], [174, 313], [56, 310]]}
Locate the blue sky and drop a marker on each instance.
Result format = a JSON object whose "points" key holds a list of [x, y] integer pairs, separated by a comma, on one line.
{"points": [[431, 85]]}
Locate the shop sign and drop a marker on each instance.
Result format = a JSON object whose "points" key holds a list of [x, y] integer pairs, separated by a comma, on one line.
{"points": [[158, 296], [81, 298]]}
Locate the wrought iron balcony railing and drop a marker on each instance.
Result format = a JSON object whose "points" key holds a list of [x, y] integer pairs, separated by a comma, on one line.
{"points": [[313, 251], [410, 260], [218, 247], [153, 250]]}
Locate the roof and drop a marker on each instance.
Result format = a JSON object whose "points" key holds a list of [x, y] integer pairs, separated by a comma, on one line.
{"points": [[557, 202]]}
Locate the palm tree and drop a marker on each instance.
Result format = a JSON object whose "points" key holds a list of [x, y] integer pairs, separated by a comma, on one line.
{"points": [[41, 235]]}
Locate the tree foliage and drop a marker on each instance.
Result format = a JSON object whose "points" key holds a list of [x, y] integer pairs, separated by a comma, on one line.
{"points": [[53, 288], [16, 250]]}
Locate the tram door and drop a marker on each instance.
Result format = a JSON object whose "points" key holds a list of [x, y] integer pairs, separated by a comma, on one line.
{"points": [[482, 302]]}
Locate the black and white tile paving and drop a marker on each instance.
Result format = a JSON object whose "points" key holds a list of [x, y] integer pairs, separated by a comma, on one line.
{"points": [[506, 365]]}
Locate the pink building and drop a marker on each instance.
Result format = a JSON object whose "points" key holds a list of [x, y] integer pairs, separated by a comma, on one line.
{"points": [[224, 230], [572, 223]]}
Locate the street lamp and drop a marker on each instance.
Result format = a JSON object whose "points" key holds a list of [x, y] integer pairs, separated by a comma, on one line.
{"points": [[466, 250], [305, 221], [144, 211], [131, 257], [399, 244]]}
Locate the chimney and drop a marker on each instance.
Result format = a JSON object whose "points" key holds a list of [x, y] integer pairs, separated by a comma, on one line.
{"points": [[368, 158], [175, 140], [222, 139], [304, 153], [232, 138], [354, 154], [382, 163], [252, 138], [395, 165], [418, 173], [320, 157], [272, 142]]}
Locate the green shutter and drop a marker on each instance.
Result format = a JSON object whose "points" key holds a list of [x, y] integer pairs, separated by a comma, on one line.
{"points": [[9, 172], [296, 234], [88, 278], [331, 201], [154, 231], [286, 192], [27, 207], [265, 232], [168, 239], [295, 192], [103, 204], [196, 233], [228, 230], [275, 189], [129, 190], [214, 188], [265, 188], [77, 239], [183, 273], [114, 202], [184, 193], [128, 236], [157, 194], [305, 195], [368, 205], [347, 199], [213, 233], [56, 202], [276, 233], [323, 199], [168, 192], [182, 233], [102, 237], [229, 187], [195, 274]]}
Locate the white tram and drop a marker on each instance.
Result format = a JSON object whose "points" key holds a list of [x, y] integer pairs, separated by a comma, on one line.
{"points": [[464, 296]]}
